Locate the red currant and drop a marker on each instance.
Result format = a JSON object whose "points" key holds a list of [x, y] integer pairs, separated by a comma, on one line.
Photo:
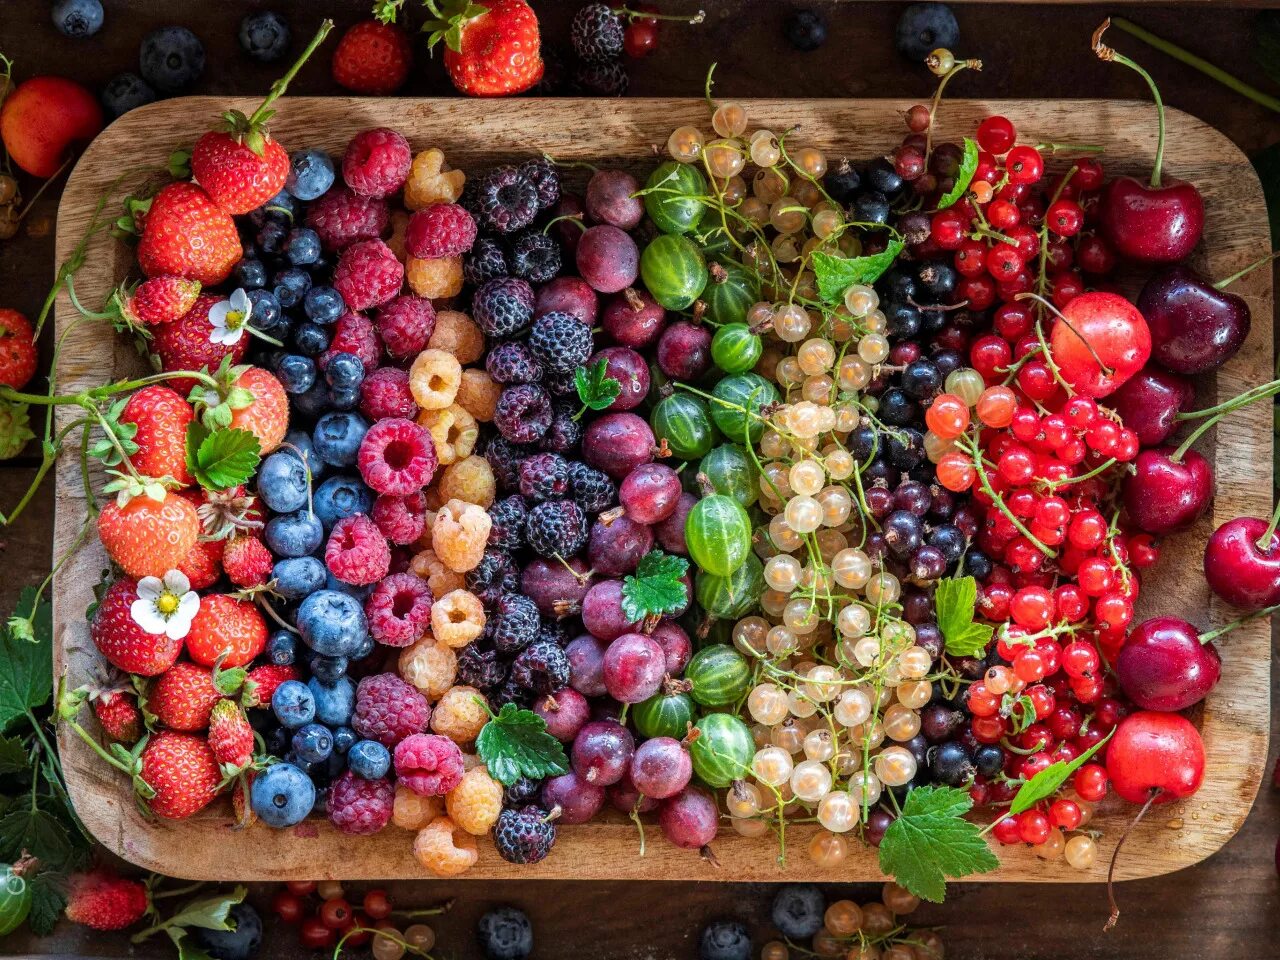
{"points": [[996, 134], [1091, 782], [1024, 165], [1064, 217]]}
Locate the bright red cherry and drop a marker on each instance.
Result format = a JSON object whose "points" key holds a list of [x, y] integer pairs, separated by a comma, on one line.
{"points": [[1242, 563], [1155, 754], [1165, 494], [1099, 342]]}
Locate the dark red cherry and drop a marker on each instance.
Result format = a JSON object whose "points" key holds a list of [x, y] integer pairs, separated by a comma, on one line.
{"points": [[1164, 495], [1195, 327], [1149, 403], [1159, 221], [1242, 563], [1164, 666]]}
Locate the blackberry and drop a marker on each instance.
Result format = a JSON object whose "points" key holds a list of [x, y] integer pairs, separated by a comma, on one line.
{"points": [[565, 433], [541, 667], [593, 490], [535, 257], [557, 528], [482, 669], [511, 692], [596, 33], [504, 458], [507, 200], [523, 414], [561, 341], [544, 476], [558, 631], [544, 176], [561, 385], [494, 565], [486, 261], [514, 624], [605, 79], [507, 518], [521, 793], [513, 362], [525, 835], [503, 307]]}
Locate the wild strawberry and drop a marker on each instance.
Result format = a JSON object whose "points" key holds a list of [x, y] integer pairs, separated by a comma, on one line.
{"points": [[186, 234], [104, 900], [373, 58], [148, 537], [161, 417], [123, 641], [189, 343], [230, 736], [183, 696], [492, 54], [263, 680], [247, 561], [240, 806], [119, 716], [181, 770], [158, 300], [17, 349], [267, 415], [203, 563], [226, 627]]}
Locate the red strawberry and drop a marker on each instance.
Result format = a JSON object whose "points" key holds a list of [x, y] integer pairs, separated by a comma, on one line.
{"points": [[161, 416], [267, 417], [247, 561], [373, 58], [17, 349], [203, 563], [119, 715], [187, 343], [159, 300], [263, 680], [147, 537], [226, 627], [183, 696], [123, 642], [181, 769], [103, 900], [186, 234], [230, 736], [492, 54]]}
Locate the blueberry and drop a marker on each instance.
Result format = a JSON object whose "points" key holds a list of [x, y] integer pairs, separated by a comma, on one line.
{"points": [[290, 285], [798, 909], [265, 314], [923, 28], [369, 760], [296, 373], [313, 742], [264, 36], [339, 497], [124, 92], [327, 669], [344, 372], [310, 339], [344, 738], [239, 943], [806, 30], [310, 174], [724, 940], [250, 274], [293, 534], [312, 402], [334, 702], [505, 934], [282, 480], [297, 443], [332, 623], [323, 305], [282, 648], [337, 437], [298, 577], [282, 795], [360, 593], [171, 59], [77, 18], [293, 704], [344, 398], [271, 236], [302, 246]]}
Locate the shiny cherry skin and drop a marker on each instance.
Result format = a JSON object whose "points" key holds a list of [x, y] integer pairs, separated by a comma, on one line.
{"points": [[1195, 327], [1150, 401], [1150, 224], [1238, 569], [1155, 753], [1099, 327], [1164, 666], [1163, 495]]}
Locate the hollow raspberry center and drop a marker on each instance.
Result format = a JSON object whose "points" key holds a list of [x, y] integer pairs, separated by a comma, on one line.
{"points": [[398, 454], [402, 604]]}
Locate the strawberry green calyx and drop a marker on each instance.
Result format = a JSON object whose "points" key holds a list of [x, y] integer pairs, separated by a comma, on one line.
{"points": [[386, 11], [15, 429], [128, 487], [448, 24], [128, 760]]}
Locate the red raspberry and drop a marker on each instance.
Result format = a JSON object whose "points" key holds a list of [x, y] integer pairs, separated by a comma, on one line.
{"points": [[373, 58], [428, 764], [388, 709], [441, 230], [263, 680], [368, 274], [399, 609], [357, 552], [406, 324], [377, 162], [358, 806], [385, 393], [354, 333], [247, 561], [342, 217], [402, 520], [397, 456]]}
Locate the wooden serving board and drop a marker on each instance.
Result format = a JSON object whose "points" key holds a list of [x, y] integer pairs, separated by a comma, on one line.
{"points": [[475, 133]]}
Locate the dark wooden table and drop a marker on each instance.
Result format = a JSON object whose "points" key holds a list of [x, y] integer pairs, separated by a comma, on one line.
{"points": [[1224, 907]]}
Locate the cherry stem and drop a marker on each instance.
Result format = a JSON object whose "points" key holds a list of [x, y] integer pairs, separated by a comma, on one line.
{"points": [[1106, 53], [1265, 540], [645, 15], [1226, 628], [1223, 284], [1111, 893], [1235, 403], [278, 88], [1195, 435]]}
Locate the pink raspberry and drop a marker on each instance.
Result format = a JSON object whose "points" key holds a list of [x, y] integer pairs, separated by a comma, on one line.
{"points": [[341, 218], [360, 806], [385, 393], [406, 324], [388, 709], [399, 609], [428, 764], [357, 552], [354, 333], [402, 519], [368, 274], [377, 162], [441, 230], [397, 456]]}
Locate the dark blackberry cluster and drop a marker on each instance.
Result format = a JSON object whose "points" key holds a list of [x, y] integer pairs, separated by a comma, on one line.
{"points": [[598, 37], [525, 835]]}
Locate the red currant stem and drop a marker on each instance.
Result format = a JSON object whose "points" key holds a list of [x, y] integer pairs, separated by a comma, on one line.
{"points": [[1067, 481], [1223, 284], [1115, 855], [937, 100], [998, 500], [425, 911], [1228, 627], [1199, 63], [1106, 53], [630, 14], [1048, 358], [1053, 149], [1264, 542], [378, 932], [278, 88], [1106, 370], [709, 83], [987, 233]]}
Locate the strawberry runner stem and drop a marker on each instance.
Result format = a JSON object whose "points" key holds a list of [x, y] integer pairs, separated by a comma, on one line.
{"points": [[263, 113]]}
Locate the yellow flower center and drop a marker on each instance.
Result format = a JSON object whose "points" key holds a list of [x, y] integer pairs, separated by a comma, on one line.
{"points": [[167, 604], [235, 318]]}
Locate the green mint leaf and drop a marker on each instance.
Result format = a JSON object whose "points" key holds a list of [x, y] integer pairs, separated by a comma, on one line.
{"points": [[26, 666], [931, 841], [1046, 783], [837, 274], [964, 176], [955, 601], [39, 833], [656, 587], [13, 756], [221, 459], [197, 433], [47, 903], [515, 743], [595, 389]]}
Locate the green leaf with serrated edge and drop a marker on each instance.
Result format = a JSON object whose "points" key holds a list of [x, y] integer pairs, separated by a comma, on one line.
{"points": [[197, 432], [596, 389], [209, 912], [13, 755], [186, 944], [656, 587], [964, 175], [47, 902], [1046, 783], [225, 458], [515, 743], [26, 666], [930, 841], [39, 833], [955, 600], [837, 274]]}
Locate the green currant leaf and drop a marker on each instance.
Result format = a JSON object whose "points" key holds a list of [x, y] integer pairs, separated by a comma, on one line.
{"points": [[837, 274], [931, 842], [1046, 783], [26, 664], [656, 587], [13, 756], [964, 175], [37, 832], [955, 601], [596, 389], [47, 902], [1020, 710], [515, 743]]}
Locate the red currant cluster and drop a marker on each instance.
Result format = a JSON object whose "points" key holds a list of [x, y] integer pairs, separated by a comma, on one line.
{"points": [[325, 918]]}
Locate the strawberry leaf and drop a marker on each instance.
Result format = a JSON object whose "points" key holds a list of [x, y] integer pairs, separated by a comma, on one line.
{"points": [[656, 587], [223, 458], [596, 389], [515, 743]]}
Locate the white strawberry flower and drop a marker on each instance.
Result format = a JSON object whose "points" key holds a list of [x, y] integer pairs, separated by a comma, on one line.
{"points": [[229, 318], [165, 606]]}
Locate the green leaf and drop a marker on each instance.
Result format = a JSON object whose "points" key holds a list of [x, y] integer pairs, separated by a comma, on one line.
{"points": [[26, 666], [1046, 783], [1021, 711], [955, 601], [39, 833], [837, 274], [188, 949], [1266, 42], [223, 458], [931, 841], [964, 176], [47, 903], [515, 743], [656, 587], [210, 912], [595, 389], [13, 755], [1267, 165]]}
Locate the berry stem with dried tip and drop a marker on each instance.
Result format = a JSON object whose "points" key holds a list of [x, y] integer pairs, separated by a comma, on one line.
{"points": [[1106, 53]]}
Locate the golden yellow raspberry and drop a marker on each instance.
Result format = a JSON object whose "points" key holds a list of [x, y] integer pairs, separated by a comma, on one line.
{"points": [[460, 715], [457, 334], [474, 804], [434, 379], [445, 849], [430, 666], [453, 431], [478, 394], [470, 479], [399, 223], [413, 811], [457, 618], [459, 534], [431, 568], [431, 181], [435, 279]]}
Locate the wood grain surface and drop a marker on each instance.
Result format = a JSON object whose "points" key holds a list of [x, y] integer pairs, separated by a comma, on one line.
{"points": [[1234, 721]]}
